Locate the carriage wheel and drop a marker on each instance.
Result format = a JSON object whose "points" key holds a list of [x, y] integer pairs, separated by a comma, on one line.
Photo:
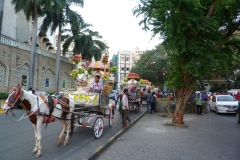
{"points": [[98, 127], [110, 121]]}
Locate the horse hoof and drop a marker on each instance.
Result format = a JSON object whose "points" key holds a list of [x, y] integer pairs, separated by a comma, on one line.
{"points": [[38, 155], [34, 151], [65, 144], [59, 143]]}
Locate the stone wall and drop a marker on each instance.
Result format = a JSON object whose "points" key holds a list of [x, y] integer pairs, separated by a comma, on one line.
{"points": [[14, 68], [161, 106]]}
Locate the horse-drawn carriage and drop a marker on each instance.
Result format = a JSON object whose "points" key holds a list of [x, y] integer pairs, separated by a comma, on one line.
{"points": [[69, 110], [93, 105], [134, 102]]}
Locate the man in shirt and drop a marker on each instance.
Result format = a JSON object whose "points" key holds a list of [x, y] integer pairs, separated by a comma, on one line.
{"points": [[96, 84], [125, 106], [148, 99]]}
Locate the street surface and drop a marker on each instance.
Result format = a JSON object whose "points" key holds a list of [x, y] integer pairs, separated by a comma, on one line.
{"points": [[17, 139], [208, 137]]}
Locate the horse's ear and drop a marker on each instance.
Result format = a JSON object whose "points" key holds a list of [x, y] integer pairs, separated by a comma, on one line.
{"points": [[19, 86]]}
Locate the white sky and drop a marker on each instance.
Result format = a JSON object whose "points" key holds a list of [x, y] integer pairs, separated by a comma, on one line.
{"points": [[114, 20]]}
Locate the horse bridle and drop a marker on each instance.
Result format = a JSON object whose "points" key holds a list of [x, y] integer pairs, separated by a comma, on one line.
{"points": [[18, 93]]}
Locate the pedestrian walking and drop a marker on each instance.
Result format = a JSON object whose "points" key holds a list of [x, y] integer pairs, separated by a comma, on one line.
{"points": [[120, 108], [158, 94], [30, 90], [153, 102], [193, 102], [148, 99], [116, 96], [199, 104], [126, 110], [237, 96]]}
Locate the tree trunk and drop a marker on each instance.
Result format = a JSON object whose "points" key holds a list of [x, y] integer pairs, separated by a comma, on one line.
{"points": [[1, 16], [33, 48], [181, 97], [58, 59]]}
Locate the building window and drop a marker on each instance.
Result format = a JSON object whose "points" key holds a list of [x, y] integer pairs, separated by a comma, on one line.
{"points": [[122, 68], [122, 77], [47, 83], [127, 59], [127, 69], [63, 83], [122, 58], [24, 80]]}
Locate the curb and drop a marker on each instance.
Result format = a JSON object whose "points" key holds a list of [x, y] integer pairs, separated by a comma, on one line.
{"points": [[100, 149]]}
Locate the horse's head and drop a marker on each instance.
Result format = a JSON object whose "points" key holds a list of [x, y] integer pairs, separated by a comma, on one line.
{"points": [[13, 99]]}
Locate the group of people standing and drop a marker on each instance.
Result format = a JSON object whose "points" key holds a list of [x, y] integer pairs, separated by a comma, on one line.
{"points": [[196, 101], [151, 100]]}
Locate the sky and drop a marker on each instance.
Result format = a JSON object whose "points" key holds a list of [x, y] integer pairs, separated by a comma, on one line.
{"points": [[115, 22]]}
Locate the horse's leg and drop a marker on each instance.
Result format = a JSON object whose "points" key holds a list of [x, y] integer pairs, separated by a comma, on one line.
{"points": [[35, 133], [61, 134], [68, 129], [39, 130]]}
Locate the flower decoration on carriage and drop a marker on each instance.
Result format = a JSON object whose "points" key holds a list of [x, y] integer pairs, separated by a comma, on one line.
{"points": [[107, 89], [81, 71], [125, 79], [105, 59], [111, 64], [114, 70], [89, 71], [106, 76], [74, 73], [76, 59], [85, 65], [141, 81]]}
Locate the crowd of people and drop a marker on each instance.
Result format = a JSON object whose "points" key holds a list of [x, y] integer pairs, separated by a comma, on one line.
{"points": [[121, 101]]}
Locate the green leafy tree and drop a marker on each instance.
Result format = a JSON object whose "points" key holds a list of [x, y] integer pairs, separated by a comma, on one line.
{"points": [[198, 37], [85, 42], [57, 16], [32, 10], [151, 64]]}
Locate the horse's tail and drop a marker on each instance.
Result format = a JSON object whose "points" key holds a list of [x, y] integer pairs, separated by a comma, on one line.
{"points": [[72, 124]]}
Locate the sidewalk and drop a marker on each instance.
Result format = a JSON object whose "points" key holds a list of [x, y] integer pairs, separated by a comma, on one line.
{"points": [[208, 137]]}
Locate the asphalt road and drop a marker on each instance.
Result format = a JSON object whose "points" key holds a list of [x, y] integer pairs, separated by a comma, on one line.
{"points": [[17, 139]]}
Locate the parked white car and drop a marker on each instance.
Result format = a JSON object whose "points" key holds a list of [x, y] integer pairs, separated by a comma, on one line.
{"points": [[223, 104]]}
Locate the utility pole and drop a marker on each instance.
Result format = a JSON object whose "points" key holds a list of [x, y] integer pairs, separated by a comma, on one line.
{"points": [[1, 16]]}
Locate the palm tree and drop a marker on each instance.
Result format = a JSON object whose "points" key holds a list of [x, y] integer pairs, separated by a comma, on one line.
{"points": [[85, 42], [58, 15], [32, 9]]}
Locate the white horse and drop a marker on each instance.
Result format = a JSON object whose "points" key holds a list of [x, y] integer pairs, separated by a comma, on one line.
{"points": [[37, 108]]}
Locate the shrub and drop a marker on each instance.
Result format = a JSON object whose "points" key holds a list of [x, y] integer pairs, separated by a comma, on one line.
{"points": [[3, 95], [51, 93]]}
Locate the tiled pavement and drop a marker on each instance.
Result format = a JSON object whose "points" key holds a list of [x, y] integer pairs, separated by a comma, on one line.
{"points": [[208, 137]]}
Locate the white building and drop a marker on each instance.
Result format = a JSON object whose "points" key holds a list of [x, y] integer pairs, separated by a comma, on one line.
{"points": [[16, 27], [125, 62], [136, 54]]}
